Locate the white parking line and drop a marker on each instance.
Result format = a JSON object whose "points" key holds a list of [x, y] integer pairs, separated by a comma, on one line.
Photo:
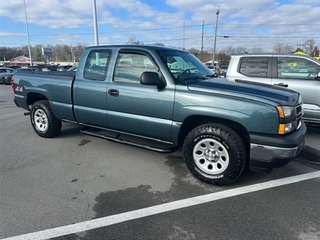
{"points": [[127, 216]]}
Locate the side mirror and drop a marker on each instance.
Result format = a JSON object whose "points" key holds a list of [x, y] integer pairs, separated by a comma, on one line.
{"points": [[152, 78]]}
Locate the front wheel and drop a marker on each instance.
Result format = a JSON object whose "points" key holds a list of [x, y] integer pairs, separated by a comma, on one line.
{"points": [[215, 154], [43, 121]]}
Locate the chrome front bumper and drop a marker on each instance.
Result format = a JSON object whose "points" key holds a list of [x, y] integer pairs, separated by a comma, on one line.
{"points": [[268, 153]]}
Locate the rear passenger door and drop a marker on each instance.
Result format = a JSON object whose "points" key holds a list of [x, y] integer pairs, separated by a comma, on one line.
{"points": [[135, 108], [90, 89]]}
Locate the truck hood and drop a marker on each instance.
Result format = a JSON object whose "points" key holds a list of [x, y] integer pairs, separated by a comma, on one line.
{"points": [[249, 90]]}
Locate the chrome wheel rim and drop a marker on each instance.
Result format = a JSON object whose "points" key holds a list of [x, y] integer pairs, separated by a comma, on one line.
{"points": [[211, 156], [40, 120]]}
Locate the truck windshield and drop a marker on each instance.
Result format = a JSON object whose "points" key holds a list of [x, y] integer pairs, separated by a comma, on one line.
{"points": [[185, 67]]}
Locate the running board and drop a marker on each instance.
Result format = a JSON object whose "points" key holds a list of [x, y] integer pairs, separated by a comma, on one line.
{"points": [[99, 133]]}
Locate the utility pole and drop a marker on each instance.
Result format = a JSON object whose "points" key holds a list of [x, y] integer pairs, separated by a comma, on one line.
{"points": [[201, 54], [96, 38], [27, 29], [184, 35], [215, 39]]}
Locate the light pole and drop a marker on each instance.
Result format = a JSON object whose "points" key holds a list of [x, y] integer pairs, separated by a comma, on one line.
{"points": [[96, 38], [27, 28], [215, 39]]}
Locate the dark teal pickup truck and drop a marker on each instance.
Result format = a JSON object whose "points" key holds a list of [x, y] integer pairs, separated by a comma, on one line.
{"points": [[164, 99]]}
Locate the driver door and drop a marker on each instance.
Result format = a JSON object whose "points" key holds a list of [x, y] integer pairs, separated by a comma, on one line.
{"points": [[135, 108]]}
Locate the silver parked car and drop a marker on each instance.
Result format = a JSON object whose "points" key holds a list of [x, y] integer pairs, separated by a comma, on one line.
{"points": [[298, 72]]}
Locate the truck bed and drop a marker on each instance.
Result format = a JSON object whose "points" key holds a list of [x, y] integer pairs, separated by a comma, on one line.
{"points": [[55, 86]]}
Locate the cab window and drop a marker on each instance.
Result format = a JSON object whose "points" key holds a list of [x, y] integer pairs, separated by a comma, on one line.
{"points": [[130, 66]]}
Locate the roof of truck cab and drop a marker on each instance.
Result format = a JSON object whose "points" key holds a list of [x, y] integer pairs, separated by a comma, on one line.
{"points": [[153, 47]]}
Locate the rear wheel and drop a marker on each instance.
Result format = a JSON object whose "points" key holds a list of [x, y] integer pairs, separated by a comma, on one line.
{"points": [[43, 121], [215, 154]]}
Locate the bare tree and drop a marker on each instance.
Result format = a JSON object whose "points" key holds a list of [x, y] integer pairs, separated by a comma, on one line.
{"points": [[133, 41], [77, 50], [194, 51], [257, 50], [37, 53], [7, 53], [283, 48], [240, 49], [288, 48], [158, 44], [233, 50], [278, 48], [309, 46], [227, 50]]}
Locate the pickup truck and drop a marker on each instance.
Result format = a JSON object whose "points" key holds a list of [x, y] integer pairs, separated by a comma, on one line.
{"points": [[298, 72], [165, 99]]}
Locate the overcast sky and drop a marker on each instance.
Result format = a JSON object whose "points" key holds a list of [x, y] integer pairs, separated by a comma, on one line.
{"points": [[179, 23]]}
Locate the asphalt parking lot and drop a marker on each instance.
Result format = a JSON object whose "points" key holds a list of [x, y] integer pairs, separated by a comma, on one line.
{"points": [[76, 186]]}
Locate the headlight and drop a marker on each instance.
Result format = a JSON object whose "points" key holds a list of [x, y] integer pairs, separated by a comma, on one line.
{"points": [[285, 111], [300, 99], [286, 123]]}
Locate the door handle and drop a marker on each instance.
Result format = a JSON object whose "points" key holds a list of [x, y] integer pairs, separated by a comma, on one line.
{"points": [[281, 85], [113, 92]]}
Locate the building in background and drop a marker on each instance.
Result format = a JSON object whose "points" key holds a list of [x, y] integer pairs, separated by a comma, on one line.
{"points": [[20, 61]]}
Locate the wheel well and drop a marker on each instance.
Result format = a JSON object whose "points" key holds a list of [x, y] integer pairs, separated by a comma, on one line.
{"points": [[194, 121], [34, 97]]}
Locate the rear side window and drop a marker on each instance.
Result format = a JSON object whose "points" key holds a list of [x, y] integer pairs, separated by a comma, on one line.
{"points": [[254, 66], [297, 68], [96, 65]]}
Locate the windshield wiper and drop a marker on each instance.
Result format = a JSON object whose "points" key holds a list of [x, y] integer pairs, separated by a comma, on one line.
{"points": [[211, 76], [194, 79]]}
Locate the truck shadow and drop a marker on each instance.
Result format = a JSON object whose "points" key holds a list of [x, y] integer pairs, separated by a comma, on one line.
{"points": [[309, 156], [70, 130], [313, 130]]}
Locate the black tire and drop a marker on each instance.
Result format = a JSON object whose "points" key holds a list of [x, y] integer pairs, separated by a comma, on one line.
{"points": [[43, 121], [215, 154]]}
